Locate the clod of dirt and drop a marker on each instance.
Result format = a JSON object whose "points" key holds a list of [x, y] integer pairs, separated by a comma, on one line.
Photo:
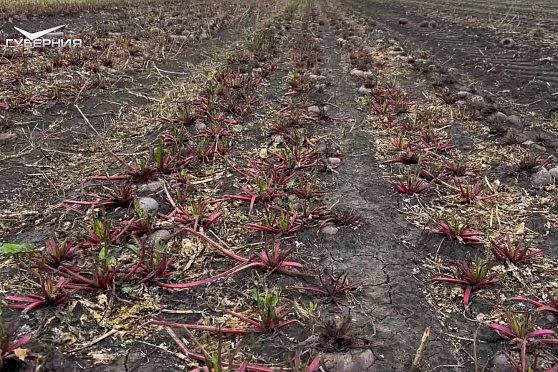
{"points": [[478, 102], [507, 43], [534, 145], [149, 205], [403, 21], [501, 363], [334, 162], [554, 173], [364, 90], [351, 361], [498, 118], [151, 187], [423, 24], [515, 121], [357, 72], [542, 178], [537, 223], [432, 24], [341, 41], [159, 236], [329, 230], [463, 95], [314, 109]]}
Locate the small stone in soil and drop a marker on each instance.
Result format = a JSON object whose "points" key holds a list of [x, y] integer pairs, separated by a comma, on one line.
{"points": [[423, 24], [463, 95], [159, 236], [403, 21], [501, 364], [515, 121], [350, 361], [314, 109], [554, 173], [151, 187], [478, 102], [498, 117], [364, 90], [329, 230], [357, 72], [334, 162], [149, 205], [507, 43], [542, 178]]}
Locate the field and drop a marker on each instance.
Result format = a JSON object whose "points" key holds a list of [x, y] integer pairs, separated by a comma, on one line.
{"points": [[279, 185]]}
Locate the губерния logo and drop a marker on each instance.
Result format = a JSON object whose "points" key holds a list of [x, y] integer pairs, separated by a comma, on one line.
{"points": [[35, 40]]}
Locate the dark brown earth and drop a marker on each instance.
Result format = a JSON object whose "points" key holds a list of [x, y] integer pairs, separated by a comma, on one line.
{"points": [[393, 305], [467, 38]]}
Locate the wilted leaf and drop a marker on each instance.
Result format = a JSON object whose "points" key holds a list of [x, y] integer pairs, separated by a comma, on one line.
{"points": [[21, 353]]}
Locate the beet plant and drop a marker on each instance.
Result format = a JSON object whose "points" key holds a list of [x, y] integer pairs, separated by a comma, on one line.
{"points": [[264, 193], [271, 318], [473, 275], [104, 274], [52, 294], [140, 169], [58, 253], [515, 253], [456, 231], [307, 191], [271, 259], [11, 349], [412, 185], [331, 284], [280, 225], [459, 169], [407, 158], [471, 193], [101, 232], [521, 333], [153, 264], [540, 306], [197, 214], [121, 197], [341, 218], [336, 336]]}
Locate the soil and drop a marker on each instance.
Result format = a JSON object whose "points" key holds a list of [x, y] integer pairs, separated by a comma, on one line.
{"points": [[464, 39], [390, 255]]}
